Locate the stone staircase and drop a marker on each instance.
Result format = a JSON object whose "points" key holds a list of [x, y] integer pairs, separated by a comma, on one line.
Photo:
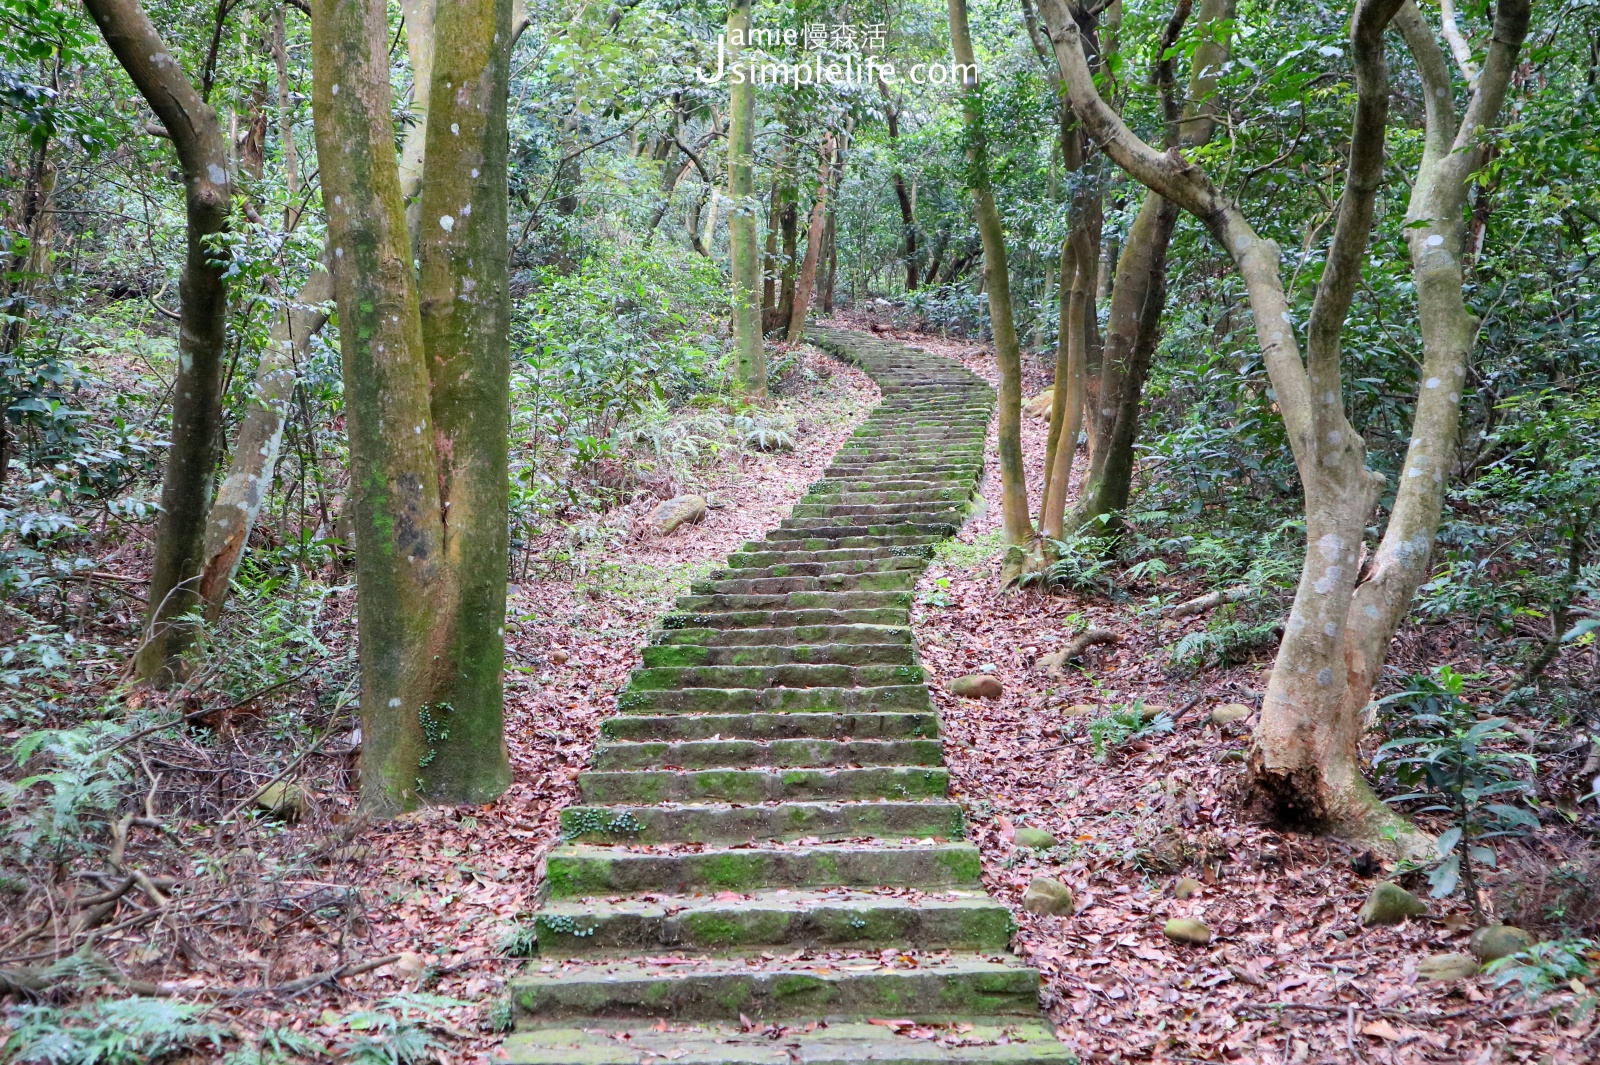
{"points": [[765, 858]]}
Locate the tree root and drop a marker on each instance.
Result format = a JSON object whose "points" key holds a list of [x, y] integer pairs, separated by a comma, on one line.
{"points": [[1056, 662], [1209, 601]]}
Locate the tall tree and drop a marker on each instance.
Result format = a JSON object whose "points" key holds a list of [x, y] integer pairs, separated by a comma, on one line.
{"points": [[426, 370], [204, 158], [1016, 524], [1304, 762], [742, 243]]}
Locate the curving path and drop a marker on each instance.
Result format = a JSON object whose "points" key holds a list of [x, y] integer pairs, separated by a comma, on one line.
{"points": [[765, 839]]}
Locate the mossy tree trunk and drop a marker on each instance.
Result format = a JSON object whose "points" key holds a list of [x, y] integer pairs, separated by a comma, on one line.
{"points": [[426, 390], [1016, 523], [204, 157], [743, 246]]}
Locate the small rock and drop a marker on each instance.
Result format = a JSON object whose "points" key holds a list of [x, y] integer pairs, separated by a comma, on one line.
{"points": [[1448, 967], [679, 510], [976, 686], [410, 966], [559, 657], [1048, 898], [1391, 904], [1151, 711], [1228, 714], [1496, 941], [1187, 888], [351, 852], [1080, 710], [1185, 930], [1034, 838], [1039, 406], [283, 799]]}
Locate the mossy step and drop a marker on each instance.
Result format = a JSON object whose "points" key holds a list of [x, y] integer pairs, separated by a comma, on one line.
{"points": [[793, 700], [768, 554], [785, 636], [951, 494], [812, 653], [823, 599], [784, 753], [811, 567], [577, 870], [890, 483], [1016, 1042], [714, 988], [870, 581], [897, 615], [911, 512], [607, 788], [789, 540], [842, 529], [721, 823], [688, 727], [840, 918], [796, 675]]}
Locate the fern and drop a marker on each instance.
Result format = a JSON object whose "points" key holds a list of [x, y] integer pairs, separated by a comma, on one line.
{"points": [[135, 1031]]}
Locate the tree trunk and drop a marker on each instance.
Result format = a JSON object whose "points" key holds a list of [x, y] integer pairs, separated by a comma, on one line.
{"points": [[789, 225], [808, 269], [202, 149], [291, 156], [744, 252], [940, 243], [769, 264], [831, 254], [425, 367], [28, 264], [256, 445], [1017, 524]]}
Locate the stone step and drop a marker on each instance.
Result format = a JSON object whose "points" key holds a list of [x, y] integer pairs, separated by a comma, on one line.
{"points": [[832, 529], [768, 554], [723, 989], [827, 919], [979, 1041], [814, 653], [784, 636], [790, 540], [751, 786], [674, 728], [665, 678], [889, 482], [955, 495], [774, 700], [811, 567], [751, 620], [816, 599], [804, 752], [576, 870], [909, 512], [870, 581], [721, 823]]}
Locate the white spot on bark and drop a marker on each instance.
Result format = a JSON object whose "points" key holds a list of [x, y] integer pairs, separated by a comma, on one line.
{"points": [[446, 223], [1329, 578], [394, 703], [1325, 677], [1434, 241], [1331, 545], [336, 88], [1371, 611], [474, 171], [1415, 471], [1331, 629], [466, 212], [1335, 437], [337, 200], [1433, 382], [1330, 397], [338, 253], [218, 175], [1455, 397], [455, 127]]}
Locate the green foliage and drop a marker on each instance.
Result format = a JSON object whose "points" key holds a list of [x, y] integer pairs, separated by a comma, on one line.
{"points": [[62, 811], [1550, 966], [1081, 563], [1233, 635], [1124, 724], [130, 1031], [1455, 764]]}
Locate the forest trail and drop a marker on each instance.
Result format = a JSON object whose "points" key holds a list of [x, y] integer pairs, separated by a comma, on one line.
{"points": [[766, 838]]}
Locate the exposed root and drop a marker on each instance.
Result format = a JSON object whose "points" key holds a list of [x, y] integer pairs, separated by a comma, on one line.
{"points": [[1304, 799]]}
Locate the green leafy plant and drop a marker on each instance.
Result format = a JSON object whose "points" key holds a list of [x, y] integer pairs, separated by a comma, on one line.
{"points": [[1453, 767], [129, 1031], [1548, 966], [1124, 724]]}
